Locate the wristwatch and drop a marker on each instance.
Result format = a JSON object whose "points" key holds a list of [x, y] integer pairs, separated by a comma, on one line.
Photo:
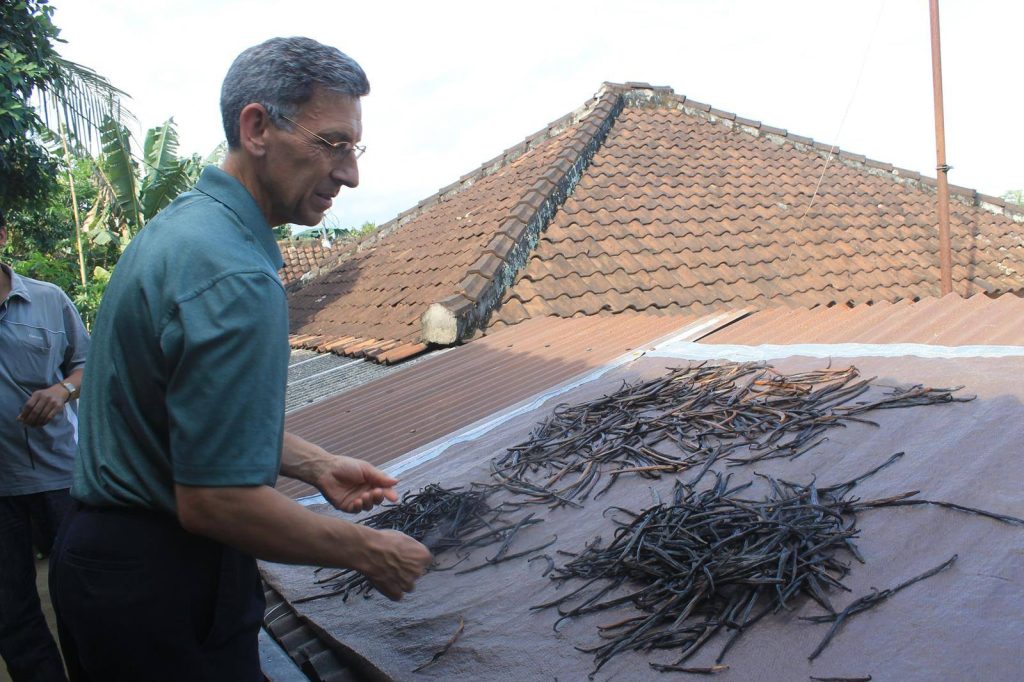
{"points": [[71, 389]]}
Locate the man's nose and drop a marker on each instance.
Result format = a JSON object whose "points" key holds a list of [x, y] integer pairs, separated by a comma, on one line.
{"points": [[347, 172]]}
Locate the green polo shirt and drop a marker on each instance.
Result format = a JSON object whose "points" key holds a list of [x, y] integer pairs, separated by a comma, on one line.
{"points": [[186, 374]]}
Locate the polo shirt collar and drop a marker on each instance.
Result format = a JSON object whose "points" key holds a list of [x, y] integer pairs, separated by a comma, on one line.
{"points": [[18, 287], [226, 189]]}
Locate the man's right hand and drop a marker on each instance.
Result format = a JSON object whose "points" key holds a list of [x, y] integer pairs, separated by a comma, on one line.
{"points": [[396, 562]]}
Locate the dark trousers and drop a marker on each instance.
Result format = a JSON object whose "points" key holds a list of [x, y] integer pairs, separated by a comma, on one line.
{"points": [[26, 644], [140, 599]]}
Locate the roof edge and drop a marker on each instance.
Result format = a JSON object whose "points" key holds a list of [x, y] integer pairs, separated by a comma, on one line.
{"points": [[456, 317], [502, 160], [645, 95]]}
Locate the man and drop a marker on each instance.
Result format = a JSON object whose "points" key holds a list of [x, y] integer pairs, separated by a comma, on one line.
{"points": [[182, 420], [42, 352]]}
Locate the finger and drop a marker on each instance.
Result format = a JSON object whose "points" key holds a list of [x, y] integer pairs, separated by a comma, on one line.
{"points": [[49, 410], [375, 477], [27, 408], [35, 415], [50, 414]]}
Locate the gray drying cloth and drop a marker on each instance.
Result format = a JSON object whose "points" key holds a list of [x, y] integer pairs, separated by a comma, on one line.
{"points": [[962, 624]]}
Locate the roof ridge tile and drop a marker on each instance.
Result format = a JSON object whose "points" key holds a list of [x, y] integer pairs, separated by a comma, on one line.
{"points": [[446, 324]]}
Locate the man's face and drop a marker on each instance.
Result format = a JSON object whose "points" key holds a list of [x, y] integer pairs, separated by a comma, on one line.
{"points": [[301, 174]]}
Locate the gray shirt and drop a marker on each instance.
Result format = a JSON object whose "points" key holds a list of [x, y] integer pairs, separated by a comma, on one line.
{"points": [[42, 340]]}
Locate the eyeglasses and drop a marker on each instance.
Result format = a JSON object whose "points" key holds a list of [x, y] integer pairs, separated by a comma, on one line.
{"points": [[336, 150]]}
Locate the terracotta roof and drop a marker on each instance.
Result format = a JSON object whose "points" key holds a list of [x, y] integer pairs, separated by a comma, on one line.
{"points": [[301, 258], [689, 208], [451, 251], [647, 200]]}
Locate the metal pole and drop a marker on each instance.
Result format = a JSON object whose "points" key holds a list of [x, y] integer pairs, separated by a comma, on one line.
{"points": [[945, 252]]}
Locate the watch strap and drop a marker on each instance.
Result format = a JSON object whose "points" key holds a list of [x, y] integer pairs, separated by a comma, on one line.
{"points": [[70, 388]]}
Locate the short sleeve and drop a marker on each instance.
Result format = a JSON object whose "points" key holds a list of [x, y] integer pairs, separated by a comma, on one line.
{"points": [[227, 355], [78, 338]]}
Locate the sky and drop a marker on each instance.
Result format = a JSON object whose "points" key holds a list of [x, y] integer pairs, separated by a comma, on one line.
{"points": [[453, 84]]}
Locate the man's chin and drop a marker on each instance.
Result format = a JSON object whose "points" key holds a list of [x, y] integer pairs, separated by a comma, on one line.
{"points": [[309, 220]]}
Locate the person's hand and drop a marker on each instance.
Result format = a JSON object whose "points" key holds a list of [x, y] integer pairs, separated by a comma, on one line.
{"points": [[395, 562], [43, 405], [353, 485]]}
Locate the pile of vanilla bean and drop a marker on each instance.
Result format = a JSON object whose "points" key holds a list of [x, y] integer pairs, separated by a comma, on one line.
{"points": [[691, 417], [712, 561], [442, 519]]}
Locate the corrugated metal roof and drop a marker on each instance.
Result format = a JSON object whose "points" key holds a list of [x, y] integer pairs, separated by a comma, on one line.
{"points": [[385, 419], [947, 321], [313, 376]]}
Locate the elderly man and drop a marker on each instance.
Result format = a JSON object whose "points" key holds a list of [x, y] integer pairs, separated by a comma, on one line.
{"points": [[182, 432], [42, 353]]}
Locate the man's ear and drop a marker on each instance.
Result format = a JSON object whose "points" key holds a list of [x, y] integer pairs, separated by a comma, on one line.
{"points": [[254, 125]]}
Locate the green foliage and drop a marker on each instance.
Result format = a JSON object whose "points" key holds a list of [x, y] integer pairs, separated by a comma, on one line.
{"points": [[71, 94], [49, 226], [38, 265], [167, 176], [1015, 195], [134, 189], [27, 62], [87, 299], [116, 199], [27, 174]]}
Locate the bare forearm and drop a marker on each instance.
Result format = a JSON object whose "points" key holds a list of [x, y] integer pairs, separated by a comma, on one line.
{"points": [[301, 459], [266, 524]]}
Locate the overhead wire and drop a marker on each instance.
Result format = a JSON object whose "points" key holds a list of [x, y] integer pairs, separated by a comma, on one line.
{"points": [[849, 105]]}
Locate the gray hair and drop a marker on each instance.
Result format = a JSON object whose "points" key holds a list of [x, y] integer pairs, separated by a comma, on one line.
{"points": [[282, 74]]}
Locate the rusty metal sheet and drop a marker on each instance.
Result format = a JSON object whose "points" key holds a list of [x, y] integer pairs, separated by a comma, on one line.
{"points": [[390, 417], [947, 321]]}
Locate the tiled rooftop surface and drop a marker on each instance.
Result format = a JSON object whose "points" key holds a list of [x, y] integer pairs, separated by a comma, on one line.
{"points": [[302, 257], [684, 208], [371, 304], [645, 200], [946, 321]]}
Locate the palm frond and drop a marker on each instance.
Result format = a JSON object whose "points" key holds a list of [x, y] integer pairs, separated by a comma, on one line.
{"points": [[160, 188], [160, 149], [120, 171], [81, 99]]}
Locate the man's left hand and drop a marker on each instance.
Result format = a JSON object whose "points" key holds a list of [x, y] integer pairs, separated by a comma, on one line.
{"points": [[43, 405], [353, 485]]}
